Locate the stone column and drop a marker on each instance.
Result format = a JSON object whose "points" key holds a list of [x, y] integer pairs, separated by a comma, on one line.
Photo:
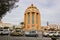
{"points": [[35, 21], [30, 20], [26, 21], [39, 22]]}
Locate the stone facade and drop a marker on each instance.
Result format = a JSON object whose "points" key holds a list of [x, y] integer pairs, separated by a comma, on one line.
{"points": [[32, 18]]}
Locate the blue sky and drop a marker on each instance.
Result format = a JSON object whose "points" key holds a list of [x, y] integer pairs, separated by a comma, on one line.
{"points": [[49, 10]]}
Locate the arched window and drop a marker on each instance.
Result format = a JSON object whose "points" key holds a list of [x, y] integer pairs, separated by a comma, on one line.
{"points": [[32, 17], [28, 17]]}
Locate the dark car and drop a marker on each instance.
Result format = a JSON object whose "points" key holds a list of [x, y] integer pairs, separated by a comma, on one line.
{"points": [[31, 34]]}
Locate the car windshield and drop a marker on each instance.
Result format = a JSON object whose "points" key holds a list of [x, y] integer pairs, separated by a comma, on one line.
{"points": [[51, 32], [6, 27], [33, 32], [18, 30]]}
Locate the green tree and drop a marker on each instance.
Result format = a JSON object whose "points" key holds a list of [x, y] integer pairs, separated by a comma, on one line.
{"points": [[13, 26], [22, 23], [6, 5]]}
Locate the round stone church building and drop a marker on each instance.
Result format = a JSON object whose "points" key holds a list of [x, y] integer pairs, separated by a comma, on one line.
{"points": [[32, 19]]}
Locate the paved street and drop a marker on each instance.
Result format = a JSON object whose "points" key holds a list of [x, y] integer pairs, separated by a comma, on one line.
{"points": [[8, 37], [21, 38]]}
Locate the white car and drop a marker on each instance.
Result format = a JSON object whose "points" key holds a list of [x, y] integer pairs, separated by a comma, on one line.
{"points": [[45, 34], [51, 33], [1, 31], [56, 33], [26, 33], [5, 30]]}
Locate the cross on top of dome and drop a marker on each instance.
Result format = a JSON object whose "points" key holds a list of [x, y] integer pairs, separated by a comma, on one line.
{"points": [[31, 4]]}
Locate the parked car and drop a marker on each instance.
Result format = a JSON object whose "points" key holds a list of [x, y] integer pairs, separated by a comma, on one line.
{"points": [[56, 34], [27, 33], [1, 29], [17, 32], [5, 30], [31, 34], [45, 34], [51, 33]]}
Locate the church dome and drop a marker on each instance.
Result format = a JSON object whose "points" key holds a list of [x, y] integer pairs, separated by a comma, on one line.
{"points": [[32, 8]]}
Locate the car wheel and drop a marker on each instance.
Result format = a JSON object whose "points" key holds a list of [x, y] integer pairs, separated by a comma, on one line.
{"points": [[36, 35]]}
